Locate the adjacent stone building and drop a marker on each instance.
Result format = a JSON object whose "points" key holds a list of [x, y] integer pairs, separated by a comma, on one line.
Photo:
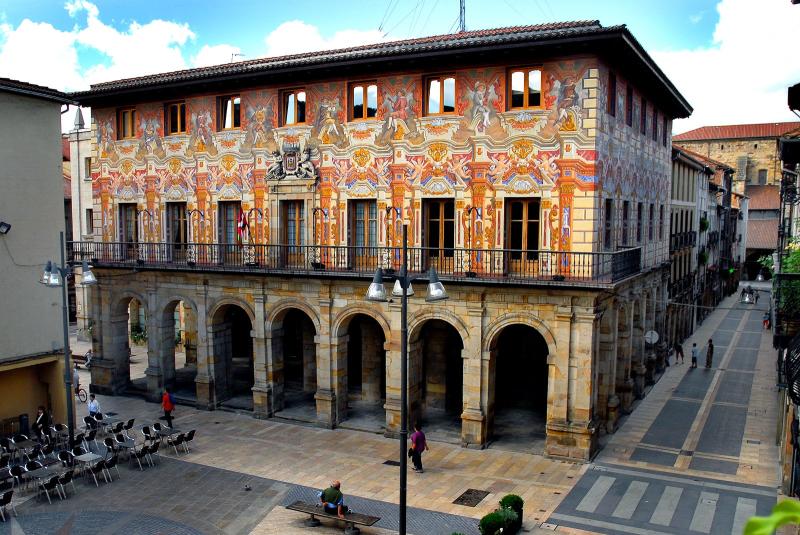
{"points": [[530, 164]]}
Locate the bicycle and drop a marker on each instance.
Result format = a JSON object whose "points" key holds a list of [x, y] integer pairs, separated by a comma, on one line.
{"points": [[81, 395]]}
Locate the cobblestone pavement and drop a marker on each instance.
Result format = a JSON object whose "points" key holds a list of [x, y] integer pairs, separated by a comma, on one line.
{"points": [[698, 453]]}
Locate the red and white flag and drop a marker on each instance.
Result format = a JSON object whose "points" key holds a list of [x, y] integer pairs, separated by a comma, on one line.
{"points": [[243, 230]]}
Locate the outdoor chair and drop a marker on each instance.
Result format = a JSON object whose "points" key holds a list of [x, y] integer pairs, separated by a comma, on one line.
{"points": [[67, 479], [90, 437], [188, 438], [33, 465], [97, 468], [19, 437], [16, 472], [128, 426], [5, 501], [176, 441], [35, 453], [67, 458], [47, 451], [88, 423], [112, 463], [5, 460], [152, 452], [77, 440], [157, 427], [48, 485], [146, 433], [111, 446], [138, 456], [78, 450], [116, 428]]}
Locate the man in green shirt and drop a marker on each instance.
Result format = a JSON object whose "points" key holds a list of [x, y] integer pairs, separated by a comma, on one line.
{"points": [[333, 500]]}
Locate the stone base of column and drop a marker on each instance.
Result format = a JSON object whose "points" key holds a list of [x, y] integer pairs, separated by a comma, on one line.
{"points": [[612, 415], [154, 384], [650, 370], [326, 408], [639, 372], [262, 402], [206, 399], [473, 429], [104, 379], [573, 441], [392, 408], [625, 393]]}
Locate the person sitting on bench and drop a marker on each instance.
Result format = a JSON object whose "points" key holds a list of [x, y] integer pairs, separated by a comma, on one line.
{"points": [[333, 500]]}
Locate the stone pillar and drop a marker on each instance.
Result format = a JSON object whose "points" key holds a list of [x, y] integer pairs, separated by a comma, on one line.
{"points": [[372, 365], [575, 436], [331, 396], [309, 357], [558, 376], [607, 360], [163, 334], [261, 394], [221, 352], [110, 367], [473, 419], [275, 380], [190, 335], [624, 382], [204, 380], [638, 347], [393, 385]]}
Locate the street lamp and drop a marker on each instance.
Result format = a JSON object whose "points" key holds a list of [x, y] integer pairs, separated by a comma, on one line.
{"points": [[402, 288], [56, 275]]}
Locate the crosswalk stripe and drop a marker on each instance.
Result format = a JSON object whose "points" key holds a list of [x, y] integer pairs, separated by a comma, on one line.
{"points": [[627, 505], [667, 504], [745, 508], [704, 512], [598, 491]]}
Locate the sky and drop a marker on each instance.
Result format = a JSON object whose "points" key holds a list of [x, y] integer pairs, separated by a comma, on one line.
{"points": [[729, 58]]}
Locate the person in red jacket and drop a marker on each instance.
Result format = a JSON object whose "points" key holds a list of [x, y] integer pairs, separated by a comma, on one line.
{"points": [[168, 404]]}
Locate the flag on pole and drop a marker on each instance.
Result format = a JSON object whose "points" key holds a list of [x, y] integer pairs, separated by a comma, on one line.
{"points": [[243, 230]]}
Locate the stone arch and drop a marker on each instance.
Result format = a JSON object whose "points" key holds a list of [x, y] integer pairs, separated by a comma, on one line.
{"points": [[167, 301], [178, 369], [125, 297], [343, 319], [490, 337], [431, 313], [117, 347], [220, 304], [278, 311]]}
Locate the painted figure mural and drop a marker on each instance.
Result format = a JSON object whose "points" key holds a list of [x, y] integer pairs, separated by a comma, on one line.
{"points": [[150, 137], [202, 138], [105, 137], [259, 121], [480, 104], [399, 111], [563, 95], [328, 117]]}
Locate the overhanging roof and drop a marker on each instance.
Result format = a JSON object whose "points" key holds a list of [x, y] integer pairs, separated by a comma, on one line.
{"points": [[35, 91], [614, 44]]}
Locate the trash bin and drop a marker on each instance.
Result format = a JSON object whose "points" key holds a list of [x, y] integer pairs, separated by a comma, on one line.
{"points": [[24, 425]]}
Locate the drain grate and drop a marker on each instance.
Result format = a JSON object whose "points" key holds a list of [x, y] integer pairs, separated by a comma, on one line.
{"points": [[687, 453], [392, 463], [471, 497], [751, 441]]}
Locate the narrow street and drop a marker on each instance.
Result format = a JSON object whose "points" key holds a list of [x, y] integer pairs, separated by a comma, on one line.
{"points": [[697, 454]]}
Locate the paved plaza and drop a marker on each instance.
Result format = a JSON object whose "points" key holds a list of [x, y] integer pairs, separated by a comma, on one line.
{"points": [[696, 455]]}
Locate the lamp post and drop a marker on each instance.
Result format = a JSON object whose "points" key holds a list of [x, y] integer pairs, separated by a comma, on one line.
{"points": [[55, 275], [402, 289]]}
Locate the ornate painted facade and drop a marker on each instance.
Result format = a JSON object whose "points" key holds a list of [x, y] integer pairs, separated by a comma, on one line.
{"points": [[567, 156]]}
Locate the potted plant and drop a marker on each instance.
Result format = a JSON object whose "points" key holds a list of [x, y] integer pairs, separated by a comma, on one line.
{"points": [[514, 503], [492, 523], [703, 224]]}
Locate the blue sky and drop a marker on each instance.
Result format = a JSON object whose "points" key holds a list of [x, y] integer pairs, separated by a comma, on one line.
{"points": [[703, 45]]}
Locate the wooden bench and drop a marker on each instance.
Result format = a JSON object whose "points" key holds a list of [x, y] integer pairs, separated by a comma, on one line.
{"points": [[350, 519]]}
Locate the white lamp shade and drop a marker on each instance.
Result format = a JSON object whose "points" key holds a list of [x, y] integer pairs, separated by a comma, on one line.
{"points": [[436, 291], [55, 278], [376, 290], [397, 291], [88, 278], [46, 273]]}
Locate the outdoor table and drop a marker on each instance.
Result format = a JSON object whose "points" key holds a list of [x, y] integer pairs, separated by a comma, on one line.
{"points": [[168, 432], [128, 444], [24, 444], [87, 458]]}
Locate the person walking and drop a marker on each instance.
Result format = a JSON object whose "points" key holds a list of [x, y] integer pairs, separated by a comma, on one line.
{"points": [[418, 445], [76, 380], [765, 319], [709, 353], [757, 293], [678, 353], [695, 352], [168, 404]]}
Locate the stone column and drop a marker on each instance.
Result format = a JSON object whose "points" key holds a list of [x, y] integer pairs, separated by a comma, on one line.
{"points": [[393, 386], [331, 396], [110, 367], [371, 361], [309, 356], [190, 335], [204, 380], [638, 347], [607, 363], [274, 362], [221, 351], [473, 419], [558, 384], [164, 337], [261, 393], [624, 381]]}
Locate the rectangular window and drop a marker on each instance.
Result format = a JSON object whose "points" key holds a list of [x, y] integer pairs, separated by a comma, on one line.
{"points": [[762, 176], [625, 219], [89, 221], [294, 107], [639, 222], [612, 94], [228, 221], [177, 227], [229, 112], [664, 132], [643, 118], [440, 95], [87, 168], [129, 223], [661, 223], [175, 118], [525, 89], [522, 228], [608, 224], [651, 222], [294, 218], [629, 105], [439, 227], [655, 124], [363, 100], [126, 123]]}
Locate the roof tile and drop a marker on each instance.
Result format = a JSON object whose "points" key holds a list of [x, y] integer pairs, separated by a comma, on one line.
{"points": [[762, 233], [763, 197], [737, 131]]}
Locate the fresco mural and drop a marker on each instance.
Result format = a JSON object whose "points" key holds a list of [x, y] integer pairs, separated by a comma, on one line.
{"points": [[480, 156]]}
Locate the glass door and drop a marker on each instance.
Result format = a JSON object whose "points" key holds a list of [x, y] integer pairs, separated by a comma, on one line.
{"points": [[522, 235], [228, 226], [177, 230], [293, 215], [439, 233], [129, 230], [363, 233]]}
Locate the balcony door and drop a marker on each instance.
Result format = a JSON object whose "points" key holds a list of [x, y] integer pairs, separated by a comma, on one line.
{"points": [[522, 235], [228, 219], [128, 230], [439, 233], [363, 234], [294, 223], [177, 230]]}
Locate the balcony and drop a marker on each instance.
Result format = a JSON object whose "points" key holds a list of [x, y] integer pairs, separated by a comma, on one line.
{"points": [[493, 266], [679, 240]]}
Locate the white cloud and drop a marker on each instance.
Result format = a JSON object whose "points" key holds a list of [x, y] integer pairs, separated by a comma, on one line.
{"points": [[215, 55], [697, 17], [296, 36], [743, 75], [37, 52]]}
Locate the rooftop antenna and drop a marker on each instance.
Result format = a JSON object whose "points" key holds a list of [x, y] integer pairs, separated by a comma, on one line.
{"points": [[235, 55], [462, 17]]}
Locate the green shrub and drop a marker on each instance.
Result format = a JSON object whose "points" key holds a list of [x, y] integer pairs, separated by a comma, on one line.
{"points": [[703, 224], [514, 503], [510, 518], [492, 523]]}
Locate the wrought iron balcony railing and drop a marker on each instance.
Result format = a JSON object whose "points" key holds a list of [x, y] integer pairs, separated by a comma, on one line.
{"points": [[490, 265]]}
